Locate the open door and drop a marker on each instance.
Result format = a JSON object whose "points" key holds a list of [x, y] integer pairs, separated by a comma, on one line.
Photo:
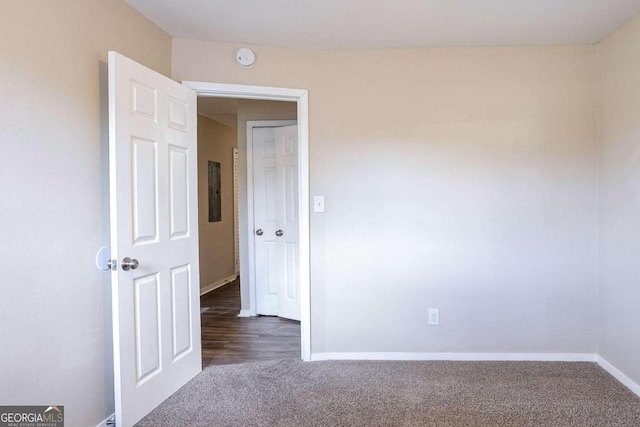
{"points": [[154, 237]]}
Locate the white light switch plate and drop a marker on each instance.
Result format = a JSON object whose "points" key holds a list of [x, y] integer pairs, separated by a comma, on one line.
{"points": [[318, 203], [434, 317]]}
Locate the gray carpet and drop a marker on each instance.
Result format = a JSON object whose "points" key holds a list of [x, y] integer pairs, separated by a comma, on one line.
{"points": [[345, 393]]}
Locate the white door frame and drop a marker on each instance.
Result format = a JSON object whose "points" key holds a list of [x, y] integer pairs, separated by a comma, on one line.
{"points": [[301, 97], [253, 304], [236, 211]]}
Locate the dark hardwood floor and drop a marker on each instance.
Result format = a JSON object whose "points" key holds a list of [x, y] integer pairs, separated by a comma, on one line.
{"points": [[227, 338]]}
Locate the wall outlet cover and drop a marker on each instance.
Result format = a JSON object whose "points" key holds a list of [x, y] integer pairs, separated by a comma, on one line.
{"points": [[318, 203]]}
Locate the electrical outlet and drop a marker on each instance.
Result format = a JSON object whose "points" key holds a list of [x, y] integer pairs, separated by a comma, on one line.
{"points": [[434, 317]]}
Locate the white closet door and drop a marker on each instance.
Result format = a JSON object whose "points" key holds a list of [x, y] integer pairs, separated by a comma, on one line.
{"points": [[275, 190]]}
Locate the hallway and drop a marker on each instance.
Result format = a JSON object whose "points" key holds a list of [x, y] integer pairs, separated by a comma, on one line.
{"points": [[228, 339]]}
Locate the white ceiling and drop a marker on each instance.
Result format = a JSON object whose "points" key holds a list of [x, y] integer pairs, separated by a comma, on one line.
{"points": [[356, 24]]}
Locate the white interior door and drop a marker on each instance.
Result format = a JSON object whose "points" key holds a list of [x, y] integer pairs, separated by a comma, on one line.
{"points": [[153, 185], [276, 234]]}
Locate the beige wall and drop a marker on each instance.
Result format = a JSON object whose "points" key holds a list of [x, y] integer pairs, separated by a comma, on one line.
{"points": [[217, 247], [460, 178], [55, 312], [619, 199]]}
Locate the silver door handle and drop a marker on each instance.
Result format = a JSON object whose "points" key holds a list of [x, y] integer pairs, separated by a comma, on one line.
{"points": [[259, 232], [279, 233], [128, 263]]}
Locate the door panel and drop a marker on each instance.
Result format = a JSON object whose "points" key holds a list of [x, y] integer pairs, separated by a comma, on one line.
{"points": [[143, 100], [290, 270], [178, 111], [153, 201], [178, 192], [272, 268], [290, 195], [180, 311], [270, 195], [144, 186], [147, 312]]}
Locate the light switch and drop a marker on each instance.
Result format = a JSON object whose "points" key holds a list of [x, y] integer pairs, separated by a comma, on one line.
{"points": [[318, 203]]}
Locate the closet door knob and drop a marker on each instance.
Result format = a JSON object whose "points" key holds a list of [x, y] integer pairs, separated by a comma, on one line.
{"points": [[128, 263]]}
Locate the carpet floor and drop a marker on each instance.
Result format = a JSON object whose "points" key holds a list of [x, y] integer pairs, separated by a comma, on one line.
{"points": [[368, 393]]}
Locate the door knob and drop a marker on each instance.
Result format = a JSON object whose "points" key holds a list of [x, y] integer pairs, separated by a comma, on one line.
{"points": [[259, 232], [279, 233], [128, 263]]}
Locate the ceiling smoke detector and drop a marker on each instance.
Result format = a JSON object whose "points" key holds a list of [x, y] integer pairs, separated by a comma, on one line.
{"points": [[245, 57]]}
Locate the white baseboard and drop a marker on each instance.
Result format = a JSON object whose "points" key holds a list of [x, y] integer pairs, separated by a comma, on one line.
{"points": [[244, 313], [218, 284], [106, 420], [535, 357], [628, 382]]}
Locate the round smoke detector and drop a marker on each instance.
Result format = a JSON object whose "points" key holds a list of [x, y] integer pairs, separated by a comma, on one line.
{"points": [[245, 57]]}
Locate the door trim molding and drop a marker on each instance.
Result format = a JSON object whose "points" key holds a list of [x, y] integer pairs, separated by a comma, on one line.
{"points": [[301, 97], [251, 261], [236, 211]]}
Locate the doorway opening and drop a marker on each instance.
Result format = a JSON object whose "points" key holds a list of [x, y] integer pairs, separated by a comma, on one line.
{"points": [[244, 287], [269, 180]]}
